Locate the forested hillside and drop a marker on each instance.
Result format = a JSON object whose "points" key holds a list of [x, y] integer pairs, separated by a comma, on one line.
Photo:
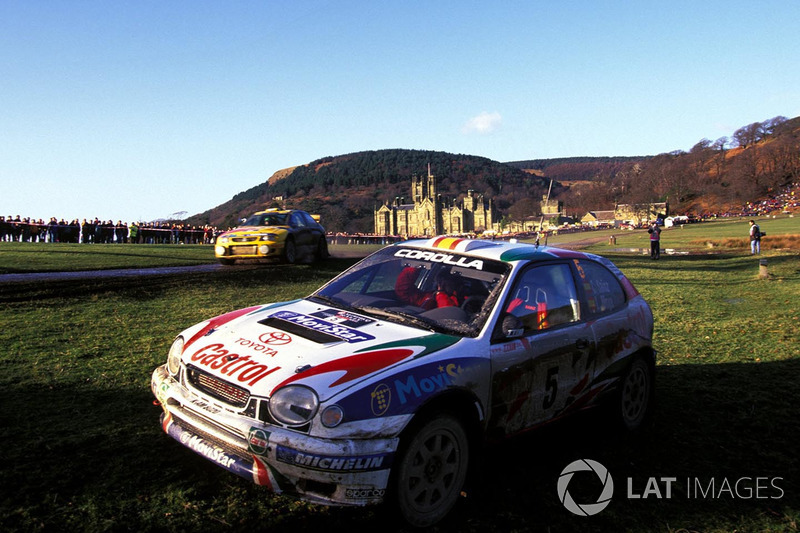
{"points": [[757, 159], [346, 189]]}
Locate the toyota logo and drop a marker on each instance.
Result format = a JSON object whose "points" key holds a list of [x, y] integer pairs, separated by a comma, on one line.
{"points": [[276, 338]]}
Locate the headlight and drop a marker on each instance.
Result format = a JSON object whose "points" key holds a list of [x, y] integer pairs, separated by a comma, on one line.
{"points": [[223, 240], [294, 405], [174, 357], [269, 237]]}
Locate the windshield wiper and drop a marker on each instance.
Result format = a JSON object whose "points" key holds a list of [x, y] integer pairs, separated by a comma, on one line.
{"points": [[403, 318], [332, 301]]}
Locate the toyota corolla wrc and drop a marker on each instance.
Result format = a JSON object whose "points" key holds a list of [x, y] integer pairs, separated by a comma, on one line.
{"points": [[383, 383], [286, 235]]}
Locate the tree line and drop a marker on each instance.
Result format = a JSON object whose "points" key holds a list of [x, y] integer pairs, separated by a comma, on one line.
{"points": [[756, 160]]}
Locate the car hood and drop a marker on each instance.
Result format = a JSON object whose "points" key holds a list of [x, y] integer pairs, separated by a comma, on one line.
{"points": [[247, 230], [264, 348]]}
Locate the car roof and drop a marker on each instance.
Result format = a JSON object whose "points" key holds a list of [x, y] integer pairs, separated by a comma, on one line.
{"points": [[274, 210], [508, 251]]}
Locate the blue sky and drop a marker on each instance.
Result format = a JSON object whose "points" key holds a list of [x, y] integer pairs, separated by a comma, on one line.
{"points": [[137, 110]]}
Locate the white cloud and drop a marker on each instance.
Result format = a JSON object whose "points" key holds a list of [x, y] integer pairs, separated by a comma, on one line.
{"points": [[483, 123]]}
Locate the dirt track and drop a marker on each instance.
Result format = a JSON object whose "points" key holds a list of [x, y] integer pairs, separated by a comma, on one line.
{"points": [[133, 272]]}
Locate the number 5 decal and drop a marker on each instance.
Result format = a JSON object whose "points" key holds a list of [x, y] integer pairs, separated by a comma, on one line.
{"points": [[550, 387]]}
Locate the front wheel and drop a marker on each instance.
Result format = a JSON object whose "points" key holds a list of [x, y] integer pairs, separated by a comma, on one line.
{"points": [[290, 251], [432, 470], [226, 261]]}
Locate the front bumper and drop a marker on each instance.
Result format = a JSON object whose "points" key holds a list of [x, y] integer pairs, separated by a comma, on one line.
{"points": [[329, 471], [255, 250]]}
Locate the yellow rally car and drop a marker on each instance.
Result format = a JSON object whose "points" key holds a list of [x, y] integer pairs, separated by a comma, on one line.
{"points": [[286, 235]]}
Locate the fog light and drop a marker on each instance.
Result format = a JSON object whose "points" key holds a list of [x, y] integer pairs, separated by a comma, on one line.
{"points": [[219, 250], [263, 249], [332, 416]]}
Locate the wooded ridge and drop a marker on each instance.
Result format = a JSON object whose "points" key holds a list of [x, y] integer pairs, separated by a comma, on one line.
{"points": [[712, 176]]}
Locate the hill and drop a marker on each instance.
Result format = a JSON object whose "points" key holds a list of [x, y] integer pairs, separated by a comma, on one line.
{"points": [[757, 160], [346, 189]]}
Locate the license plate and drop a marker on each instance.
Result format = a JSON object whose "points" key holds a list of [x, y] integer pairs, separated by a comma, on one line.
{"points": [[243, 250]]}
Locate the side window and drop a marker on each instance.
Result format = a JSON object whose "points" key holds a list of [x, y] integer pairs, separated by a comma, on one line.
{"points": [[603, 290], [309, 221], [296, 221], [544, 297]]}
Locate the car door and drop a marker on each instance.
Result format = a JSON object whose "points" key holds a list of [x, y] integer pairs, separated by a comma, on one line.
{"points": [[303, 236], [542, 368], [607, 309]]}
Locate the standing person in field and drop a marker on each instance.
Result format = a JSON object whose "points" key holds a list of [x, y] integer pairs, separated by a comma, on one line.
{"points": [[655, 240], [755, 238]]}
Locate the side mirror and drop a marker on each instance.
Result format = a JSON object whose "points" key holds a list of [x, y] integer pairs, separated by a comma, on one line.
{"points": [[512, 327]]}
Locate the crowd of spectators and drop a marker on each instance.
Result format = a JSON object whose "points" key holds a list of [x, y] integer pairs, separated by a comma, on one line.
{"points": [[20, 229], [96, 231], [785, 201]]}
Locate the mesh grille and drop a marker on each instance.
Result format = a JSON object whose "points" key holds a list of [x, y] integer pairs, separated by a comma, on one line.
{"points": [[222, 390]]}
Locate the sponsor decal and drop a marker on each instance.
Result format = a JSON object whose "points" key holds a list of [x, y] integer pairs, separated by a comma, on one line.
{"points": [[258, 441], [207, 450], [205, 406], [401, 390], [381, 398], [357, 463], [438, 257], [241, 367], [276, 338], [255, 346], [317, 324], [416, 388], [364, 494], [343, 318]]}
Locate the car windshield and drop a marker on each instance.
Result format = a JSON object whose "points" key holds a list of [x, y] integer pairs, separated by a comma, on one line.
{"points": [[439, 291], [267, 219]]}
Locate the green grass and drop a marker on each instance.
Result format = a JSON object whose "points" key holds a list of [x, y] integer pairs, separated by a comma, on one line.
{"points": [[26, 257], [19, 257], [82, 449], [58, 257]]}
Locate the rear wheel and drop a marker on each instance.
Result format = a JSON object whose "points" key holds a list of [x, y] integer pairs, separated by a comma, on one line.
{"points": [[290, 251], [635, 395], [432, 470], [322, 249]]}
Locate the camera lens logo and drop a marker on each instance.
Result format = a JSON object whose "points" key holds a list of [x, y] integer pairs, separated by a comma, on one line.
{"points": [[585, 509]]}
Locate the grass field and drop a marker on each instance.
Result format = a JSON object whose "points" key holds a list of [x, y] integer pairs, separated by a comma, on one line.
{"points": [[82, 449]]}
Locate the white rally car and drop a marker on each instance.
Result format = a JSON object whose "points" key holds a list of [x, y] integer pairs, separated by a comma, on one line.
{"points": [[383, 382]]}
